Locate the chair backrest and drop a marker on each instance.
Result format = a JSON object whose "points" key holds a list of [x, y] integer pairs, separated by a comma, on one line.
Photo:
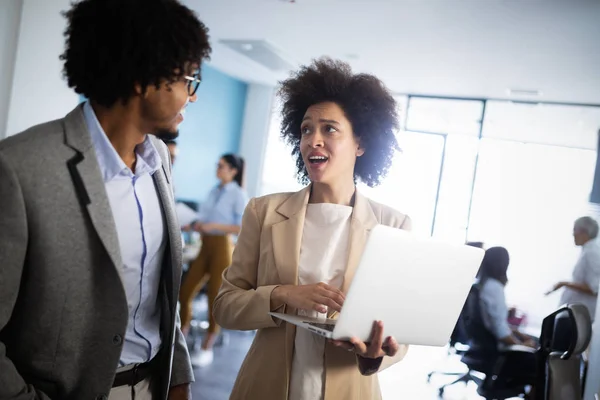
{"points": [[483, 346], [459, 333], [566, 334], [480, 338]]}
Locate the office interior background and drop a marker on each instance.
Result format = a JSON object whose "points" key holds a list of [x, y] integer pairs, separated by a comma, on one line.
{"points": [[500, 106]]}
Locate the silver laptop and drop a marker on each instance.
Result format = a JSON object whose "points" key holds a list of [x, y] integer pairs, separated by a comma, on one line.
{"points": [[416, 286]]}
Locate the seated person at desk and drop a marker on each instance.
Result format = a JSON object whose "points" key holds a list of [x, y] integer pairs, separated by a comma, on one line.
{"points": [[219, 218], [494, 312]]}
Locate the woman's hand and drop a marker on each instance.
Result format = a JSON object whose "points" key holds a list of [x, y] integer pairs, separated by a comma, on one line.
{"points": [[209, 227], [318, 297], [376, 347]]}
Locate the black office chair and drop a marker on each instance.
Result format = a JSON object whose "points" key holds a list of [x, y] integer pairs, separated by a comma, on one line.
{"points": [[566, 334], [484, 357], [456, 346]]}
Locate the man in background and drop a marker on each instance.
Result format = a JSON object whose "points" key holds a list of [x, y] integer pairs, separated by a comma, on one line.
{"points": [[90, 246], [583, 287]]}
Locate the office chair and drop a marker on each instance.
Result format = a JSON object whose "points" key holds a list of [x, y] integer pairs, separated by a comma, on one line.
{"points": [[566, 334], [456, 346], [484, 357]]}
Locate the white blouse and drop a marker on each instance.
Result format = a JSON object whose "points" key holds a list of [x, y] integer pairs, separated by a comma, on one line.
{"points": [[323, 258]]}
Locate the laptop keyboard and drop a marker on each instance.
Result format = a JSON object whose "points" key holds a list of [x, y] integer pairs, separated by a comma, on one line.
{"points": [[327, 327]]}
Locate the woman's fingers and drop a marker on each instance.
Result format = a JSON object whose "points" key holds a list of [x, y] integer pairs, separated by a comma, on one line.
{"points": [[376, 341], [342, 344], [331, 292], [390, 346], [329, 302], [318, 306], [360, 347]]}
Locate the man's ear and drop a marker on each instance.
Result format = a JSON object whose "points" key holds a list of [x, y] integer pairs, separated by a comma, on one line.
{"points": [[137, 89], [140, 92]]}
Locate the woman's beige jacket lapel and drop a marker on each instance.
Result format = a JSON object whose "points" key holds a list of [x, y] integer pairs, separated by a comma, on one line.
{"points": [[343, 381]]}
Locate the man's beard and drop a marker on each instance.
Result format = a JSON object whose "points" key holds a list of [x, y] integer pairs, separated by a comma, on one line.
{"points": [[167, 135]]}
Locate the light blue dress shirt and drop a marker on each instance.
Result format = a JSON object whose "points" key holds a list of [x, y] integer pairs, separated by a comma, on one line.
{"points": [[225, 205], [138, 217]]}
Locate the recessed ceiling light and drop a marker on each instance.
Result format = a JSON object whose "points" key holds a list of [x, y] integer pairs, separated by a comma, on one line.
{"points": [[523, 92], [247, 47]]}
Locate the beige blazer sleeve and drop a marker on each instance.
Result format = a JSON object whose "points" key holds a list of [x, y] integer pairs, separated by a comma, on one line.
{"points": [[241, 304]]}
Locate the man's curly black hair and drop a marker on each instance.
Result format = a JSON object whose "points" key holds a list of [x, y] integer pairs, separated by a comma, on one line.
{"points": [[366, 102], [111, 45]]}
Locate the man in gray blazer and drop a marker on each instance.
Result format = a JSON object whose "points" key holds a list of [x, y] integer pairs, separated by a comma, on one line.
{"points": [[90, 246]]}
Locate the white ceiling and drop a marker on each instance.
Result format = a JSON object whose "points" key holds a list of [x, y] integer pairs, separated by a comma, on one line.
{"points": [[462, 48]]}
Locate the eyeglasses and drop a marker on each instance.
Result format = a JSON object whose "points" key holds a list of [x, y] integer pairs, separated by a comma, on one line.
{"points": [[192, 83]]}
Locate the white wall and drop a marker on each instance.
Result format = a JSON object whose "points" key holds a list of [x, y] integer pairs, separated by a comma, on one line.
{"points": [[39, 92], [10, 15], [253, 142]]}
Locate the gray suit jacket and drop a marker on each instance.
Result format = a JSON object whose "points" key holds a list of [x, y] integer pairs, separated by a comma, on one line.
{"points": [[63, 310]]}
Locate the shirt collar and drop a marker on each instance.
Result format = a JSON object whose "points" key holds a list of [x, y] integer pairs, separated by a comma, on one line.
{"points": [[147, 160], [227, 186], [588, 244]]}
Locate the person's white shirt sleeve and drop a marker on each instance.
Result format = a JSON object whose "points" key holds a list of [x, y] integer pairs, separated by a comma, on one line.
{"points": [[493, 302]]}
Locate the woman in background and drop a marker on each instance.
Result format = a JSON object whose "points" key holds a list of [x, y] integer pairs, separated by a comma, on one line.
{"points": [[220, 217], [493, 279]]}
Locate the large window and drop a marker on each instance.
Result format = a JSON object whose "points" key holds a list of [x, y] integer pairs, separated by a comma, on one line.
{"points": [[412, 183], [510, 174], [526, 198], [279, 169], [534, 176], [458, 123]]}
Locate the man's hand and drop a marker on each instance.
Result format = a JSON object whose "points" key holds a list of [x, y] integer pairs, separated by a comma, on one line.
{"points": [[557, 286], [180, 392]]}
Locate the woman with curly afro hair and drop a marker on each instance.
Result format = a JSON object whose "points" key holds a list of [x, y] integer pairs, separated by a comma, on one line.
{"points": [[297, 252]]}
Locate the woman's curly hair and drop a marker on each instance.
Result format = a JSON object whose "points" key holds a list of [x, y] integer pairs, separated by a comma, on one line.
{"points": [[112, 45], [367, 103]]}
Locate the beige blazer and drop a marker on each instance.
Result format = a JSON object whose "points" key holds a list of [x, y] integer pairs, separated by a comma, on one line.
{"points": [[266, 256]]}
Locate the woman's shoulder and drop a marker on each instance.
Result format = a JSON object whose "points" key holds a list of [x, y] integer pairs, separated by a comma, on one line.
{"points": [[271, 201], [492, 285], [387, 215]]}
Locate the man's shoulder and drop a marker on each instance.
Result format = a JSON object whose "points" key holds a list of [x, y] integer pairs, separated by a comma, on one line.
{"points": [[38, 135], [33, 142]]}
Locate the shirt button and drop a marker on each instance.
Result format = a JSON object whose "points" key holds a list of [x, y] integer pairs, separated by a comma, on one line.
{"points": [[117, 340]]}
